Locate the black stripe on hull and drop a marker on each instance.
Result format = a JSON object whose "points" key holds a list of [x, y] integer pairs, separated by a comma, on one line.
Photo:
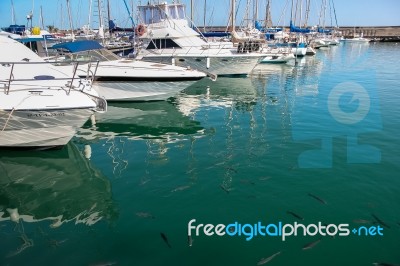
{"points": [[144, 79], [31, 148]]}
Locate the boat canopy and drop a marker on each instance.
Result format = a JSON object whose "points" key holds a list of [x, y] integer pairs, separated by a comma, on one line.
{"points": [[150, 14], [297, 29], [322, 30], [78, 46], [16, 29]]}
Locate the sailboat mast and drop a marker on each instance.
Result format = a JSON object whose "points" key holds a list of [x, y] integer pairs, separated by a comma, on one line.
{"points": [[70, 20], [42, 25], [307, 13], [129, 13], [233, 15], [268, 19], [255, 10], [191, 12], [204, 17], [100, 16], [62, 17], [108, 16], [291, 12], [12, 13], [90, 15]]}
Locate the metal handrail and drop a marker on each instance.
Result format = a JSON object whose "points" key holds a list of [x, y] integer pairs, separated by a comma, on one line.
{"points": [[73, 77], [71, 80], [95, 71], [9, 80]]}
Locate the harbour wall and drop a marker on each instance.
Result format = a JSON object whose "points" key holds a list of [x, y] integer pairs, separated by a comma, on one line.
{"points": [[379, 33]]}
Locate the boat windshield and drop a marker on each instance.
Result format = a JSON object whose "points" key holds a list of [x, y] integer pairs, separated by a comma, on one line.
{"points": [[158, 13], [93, 55]]}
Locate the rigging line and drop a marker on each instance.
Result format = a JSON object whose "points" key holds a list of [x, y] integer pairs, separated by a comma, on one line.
{"points": [[8, 118], [334, 12], [283, 12], [12, 111]]}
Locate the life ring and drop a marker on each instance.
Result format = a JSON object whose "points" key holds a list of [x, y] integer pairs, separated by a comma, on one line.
{"points": [[140, 30]]}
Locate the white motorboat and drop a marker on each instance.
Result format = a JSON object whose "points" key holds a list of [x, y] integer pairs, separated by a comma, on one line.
{"points": [[167, 37], [126, 79], [41, 106], [356, 39]]}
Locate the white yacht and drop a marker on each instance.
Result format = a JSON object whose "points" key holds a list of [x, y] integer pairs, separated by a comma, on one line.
{"points": [[41, 106], [356, 39], [167, 37], [126, 79]]}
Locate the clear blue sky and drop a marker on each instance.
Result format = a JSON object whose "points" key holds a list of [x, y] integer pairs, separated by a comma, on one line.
{"points": [[349, 12]]}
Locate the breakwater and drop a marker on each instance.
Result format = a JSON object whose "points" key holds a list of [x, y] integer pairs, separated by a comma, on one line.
{"points": [[378, 33]]}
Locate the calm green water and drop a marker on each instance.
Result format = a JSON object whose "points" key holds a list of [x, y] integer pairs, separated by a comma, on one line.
{"points": [[238, 149]]}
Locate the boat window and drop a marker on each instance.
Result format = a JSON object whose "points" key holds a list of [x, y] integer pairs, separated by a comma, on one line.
{"points": [[181, 11], [43, 77], [157, 13], [151, 14], [176, 11], [162, 43], [172, 12]]}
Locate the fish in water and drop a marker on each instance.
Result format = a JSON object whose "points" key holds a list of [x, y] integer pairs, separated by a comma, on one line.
{"points": [[266, 260], [108, 263], [264, 178], [164, 237], [311, 244], [229, 168], [224, 189], [317, 198], [383, 264], [362, 221], [190, 241], [380, 221], [180, 188], [145, 215], [247, 181], [295, 215]]}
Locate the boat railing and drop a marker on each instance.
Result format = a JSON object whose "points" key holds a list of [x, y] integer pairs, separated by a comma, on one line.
{"points": [[70, 80]]}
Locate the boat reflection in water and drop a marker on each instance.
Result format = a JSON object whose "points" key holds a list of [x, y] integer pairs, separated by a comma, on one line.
{"points": [[140, 120], [48, 189], [59, 186], [226, 92], [158, 124]]}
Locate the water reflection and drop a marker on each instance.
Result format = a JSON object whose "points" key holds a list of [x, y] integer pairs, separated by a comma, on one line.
{"points": [[226, 92], [58, 186], [142, 120], [158, 124]]}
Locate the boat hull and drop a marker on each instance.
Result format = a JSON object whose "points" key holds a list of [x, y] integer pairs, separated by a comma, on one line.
{"points": [[40, 129], [217, 65], [140, 90], [299, 51]]}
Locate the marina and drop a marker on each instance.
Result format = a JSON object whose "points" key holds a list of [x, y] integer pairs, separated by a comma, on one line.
{"points": [[265, 145]]}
